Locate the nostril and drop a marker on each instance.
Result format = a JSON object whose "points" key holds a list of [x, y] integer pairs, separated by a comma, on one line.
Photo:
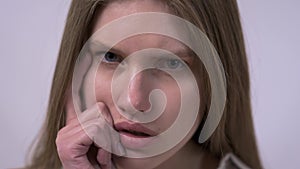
{"points": [[130, 110], [141, 105]]}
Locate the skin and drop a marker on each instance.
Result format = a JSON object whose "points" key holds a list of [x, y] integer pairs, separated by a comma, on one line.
{"points": [[76, 149]]}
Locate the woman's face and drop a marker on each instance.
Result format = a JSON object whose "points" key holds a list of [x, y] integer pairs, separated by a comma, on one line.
{"points": [[140, 85]]}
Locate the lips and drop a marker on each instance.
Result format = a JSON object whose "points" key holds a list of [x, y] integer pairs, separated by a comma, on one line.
{"points": [[134, 136], [134, 129]]}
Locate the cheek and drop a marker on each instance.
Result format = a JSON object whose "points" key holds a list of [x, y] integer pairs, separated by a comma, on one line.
{"points": [[97, 88], [103, 86], [172, 110], [173, 96]]}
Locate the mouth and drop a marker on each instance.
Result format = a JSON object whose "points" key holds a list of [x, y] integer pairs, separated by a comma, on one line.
{"points": [[133, 135], [134, 130]]}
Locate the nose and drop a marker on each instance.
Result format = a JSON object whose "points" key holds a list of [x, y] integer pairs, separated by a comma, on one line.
{"points": [[139, 89]]}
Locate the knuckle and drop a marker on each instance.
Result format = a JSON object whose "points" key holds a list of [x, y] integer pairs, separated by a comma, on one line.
{"points": [[66, 151], [101, 105], [95, 129], [58, 139]]}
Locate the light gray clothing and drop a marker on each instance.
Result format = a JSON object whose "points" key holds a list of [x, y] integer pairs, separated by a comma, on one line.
{"points": [[230, 161]]}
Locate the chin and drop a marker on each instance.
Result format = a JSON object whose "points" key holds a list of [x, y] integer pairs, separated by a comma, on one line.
{"points": [[137, 163]]}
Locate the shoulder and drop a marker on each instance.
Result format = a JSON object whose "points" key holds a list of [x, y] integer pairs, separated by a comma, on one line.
{"points": [[230, 161]]}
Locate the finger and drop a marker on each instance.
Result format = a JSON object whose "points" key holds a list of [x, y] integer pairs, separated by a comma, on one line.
{"points": [[106, 114], [104, 159], [104, 135], [89, 114], [75, 146], [111, 141], [96, 129], [71, 131], [77, 126], [116, 146], [80, 142]]}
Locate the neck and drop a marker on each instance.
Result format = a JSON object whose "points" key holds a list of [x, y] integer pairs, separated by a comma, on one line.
{"points": [[191, 156]]}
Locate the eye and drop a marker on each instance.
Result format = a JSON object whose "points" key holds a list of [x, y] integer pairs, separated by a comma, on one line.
{"points": [[110, 57], [171, 64], [174, 63]]}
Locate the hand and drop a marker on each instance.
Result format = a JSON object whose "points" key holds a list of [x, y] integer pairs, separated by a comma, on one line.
{"points": [[74, 144]]}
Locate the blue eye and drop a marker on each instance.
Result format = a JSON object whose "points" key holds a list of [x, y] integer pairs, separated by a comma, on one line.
{"points": [[174, 63], [111, 57], [171, 64]]}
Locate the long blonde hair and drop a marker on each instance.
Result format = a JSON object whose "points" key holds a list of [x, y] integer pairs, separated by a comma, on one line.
{"points": [[219, 20]]}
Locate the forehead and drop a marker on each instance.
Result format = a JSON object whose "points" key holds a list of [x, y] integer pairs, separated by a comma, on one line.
{"points": [[121, 8], [118, 9]]}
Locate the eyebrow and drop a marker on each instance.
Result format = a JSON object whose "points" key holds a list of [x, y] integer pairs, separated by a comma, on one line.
{"points": [[107, 48], [182, 52], [185, 52]]}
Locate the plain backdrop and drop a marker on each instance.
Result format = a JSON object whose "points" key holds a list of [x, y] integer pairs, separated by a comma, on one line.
{"points": [[30, 35]]}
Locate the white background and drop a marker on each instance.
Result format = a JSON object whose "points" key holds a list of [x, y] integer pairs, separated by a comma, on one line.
{"points": [[30, 35]]}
